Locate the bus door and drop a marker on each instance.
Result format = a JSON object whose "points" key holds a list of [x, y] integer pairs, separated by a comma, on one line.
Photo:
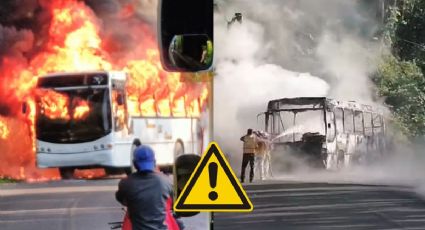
{"points": [[330, 132], [119, 108]]}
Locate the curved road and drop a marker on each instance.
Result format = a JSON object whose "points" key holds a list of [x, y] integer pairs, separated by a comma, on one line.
{"points": [[281, 205], [68, 205], [79, 204]]}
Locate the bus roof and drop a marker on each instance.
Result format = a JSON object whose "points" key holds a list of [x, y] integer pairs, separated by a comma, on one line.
{"points": [[113, 74], [76, 79], [315, 103], [304, 103]]}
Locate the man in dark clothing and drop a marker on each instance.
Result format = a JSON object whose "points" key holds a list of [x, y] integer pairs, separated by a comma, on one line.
{"points": [[249, 146], [145, 192]]}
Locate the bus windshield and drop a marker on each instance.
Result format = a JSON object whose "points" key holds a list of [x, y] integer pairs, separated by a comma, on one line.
{"points": [[291, 125], [74, 115]]}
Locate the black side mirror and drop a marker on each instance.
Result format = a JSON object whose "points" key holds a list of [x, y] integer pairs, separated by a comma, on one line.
{"points": [[190, 51], [185, 33], [120, 99], [183, 169]]}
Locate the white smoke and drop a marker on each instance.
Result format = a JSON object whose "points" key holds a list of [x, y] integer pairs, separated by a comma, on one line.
{"points": [[396, 169], [285, 49], [147, 9], [245, 81], [270, 56], [349, 62]]}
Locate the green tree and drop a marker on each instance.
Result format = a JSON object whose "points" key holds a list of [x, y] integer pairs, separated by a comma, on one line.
{"points": [[400, 76], [409, 34], [402, 83]]}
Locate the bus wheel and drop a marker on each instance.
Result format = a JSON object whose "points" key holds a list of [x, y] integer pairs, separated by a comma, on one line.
{"points": [[113, 171], [178, 148], [128, 171], [66, 173]]}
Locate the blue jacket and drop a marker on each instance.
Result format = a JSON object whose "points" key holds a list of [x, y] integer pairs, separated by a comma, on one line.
{"points": [[145, 195]]}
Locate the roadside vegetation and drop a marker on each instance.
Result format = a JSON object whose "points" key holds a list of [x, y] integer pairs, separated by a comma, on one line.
{"points": [[401, 75], [5, 180]]}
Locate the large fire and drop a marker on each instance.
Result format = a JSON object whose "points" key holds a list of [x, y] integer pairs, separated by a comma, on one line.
{"points": [[81, 109], [54, 105], [4, 130], [75, 41]]}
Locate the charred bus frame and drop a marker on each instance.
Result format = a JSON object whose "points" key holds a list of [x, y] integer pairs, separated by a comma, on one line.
{"points": [[349, 132]]}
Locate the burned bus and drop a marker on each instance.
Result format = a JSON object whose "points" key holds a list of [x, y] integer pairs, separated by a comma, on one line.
{"points": [[324, 132], [83, 121]]}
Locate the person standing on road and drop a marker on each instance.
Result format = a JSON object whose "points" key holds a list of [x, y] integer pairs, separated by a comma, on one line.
{"points": [[147, 194], [249, 146], [260, 154]]}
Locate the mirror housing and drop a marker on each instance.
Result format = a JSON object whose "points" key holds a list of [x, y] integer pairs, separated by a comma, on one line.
{"points": [[185, 34], [183, 168], [120, 99], [190, 52]]}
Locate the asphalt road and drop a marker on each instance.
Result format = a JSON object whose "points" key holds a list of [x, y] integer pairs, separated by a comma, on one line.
{"points": [[68, 205], [79, 204], [284, 205]]}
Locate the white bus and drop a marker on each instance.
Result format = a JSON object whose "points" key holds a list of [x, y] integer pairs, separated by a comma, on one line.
{"points": [[324, 132], [82, 122]]}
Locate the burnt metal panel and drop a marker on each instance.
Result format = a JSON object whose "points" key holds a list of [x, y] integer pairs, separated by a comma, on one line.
{"points": [[301, 103]]}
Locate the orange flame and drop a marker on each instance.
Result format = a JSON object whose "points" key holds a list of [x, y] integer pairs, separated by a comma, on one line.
{"points": [[17, 154], [118, 109], [73, 43], [81, 110], [54, 105], [4, 130]]}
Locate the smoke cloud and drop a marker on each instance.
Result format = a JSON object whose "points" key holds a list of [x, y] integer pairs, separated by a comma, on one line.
{"points": [[404, 169], [13, 46], [129, 26], [287, 49], [297, 48]]}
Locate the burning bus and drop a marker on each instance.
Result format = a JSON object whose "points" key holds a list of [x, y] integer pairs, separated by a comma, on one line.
{"points": [[84, 120], [324, 132]]}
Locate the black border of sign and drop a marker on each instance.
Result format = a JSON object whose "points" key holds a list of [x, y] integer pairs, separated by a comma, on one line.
{"points": [[245, 204]]}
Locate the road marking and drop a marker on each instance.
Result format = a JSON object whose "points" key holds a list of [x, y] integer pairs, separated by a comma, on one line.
{"points": [[71, 189]]}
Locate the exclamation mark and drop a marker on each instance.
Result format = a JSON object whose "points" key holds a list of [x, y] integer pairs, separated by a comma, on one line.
{"points": [[212, 169]]}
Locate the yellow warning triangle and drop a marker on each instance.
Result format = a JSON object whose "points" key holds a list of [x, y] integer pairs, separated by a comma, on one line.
{"points": [[213, 187]]}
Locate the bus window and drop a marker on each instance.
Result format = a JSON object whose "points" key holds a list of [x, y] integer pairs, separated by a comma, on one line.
{"points": [[339, 120], [377, 123], [269, 123], [276, 124], [330, 119], [119, 110], [358, 122], [367, 117], [348, 121]]}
